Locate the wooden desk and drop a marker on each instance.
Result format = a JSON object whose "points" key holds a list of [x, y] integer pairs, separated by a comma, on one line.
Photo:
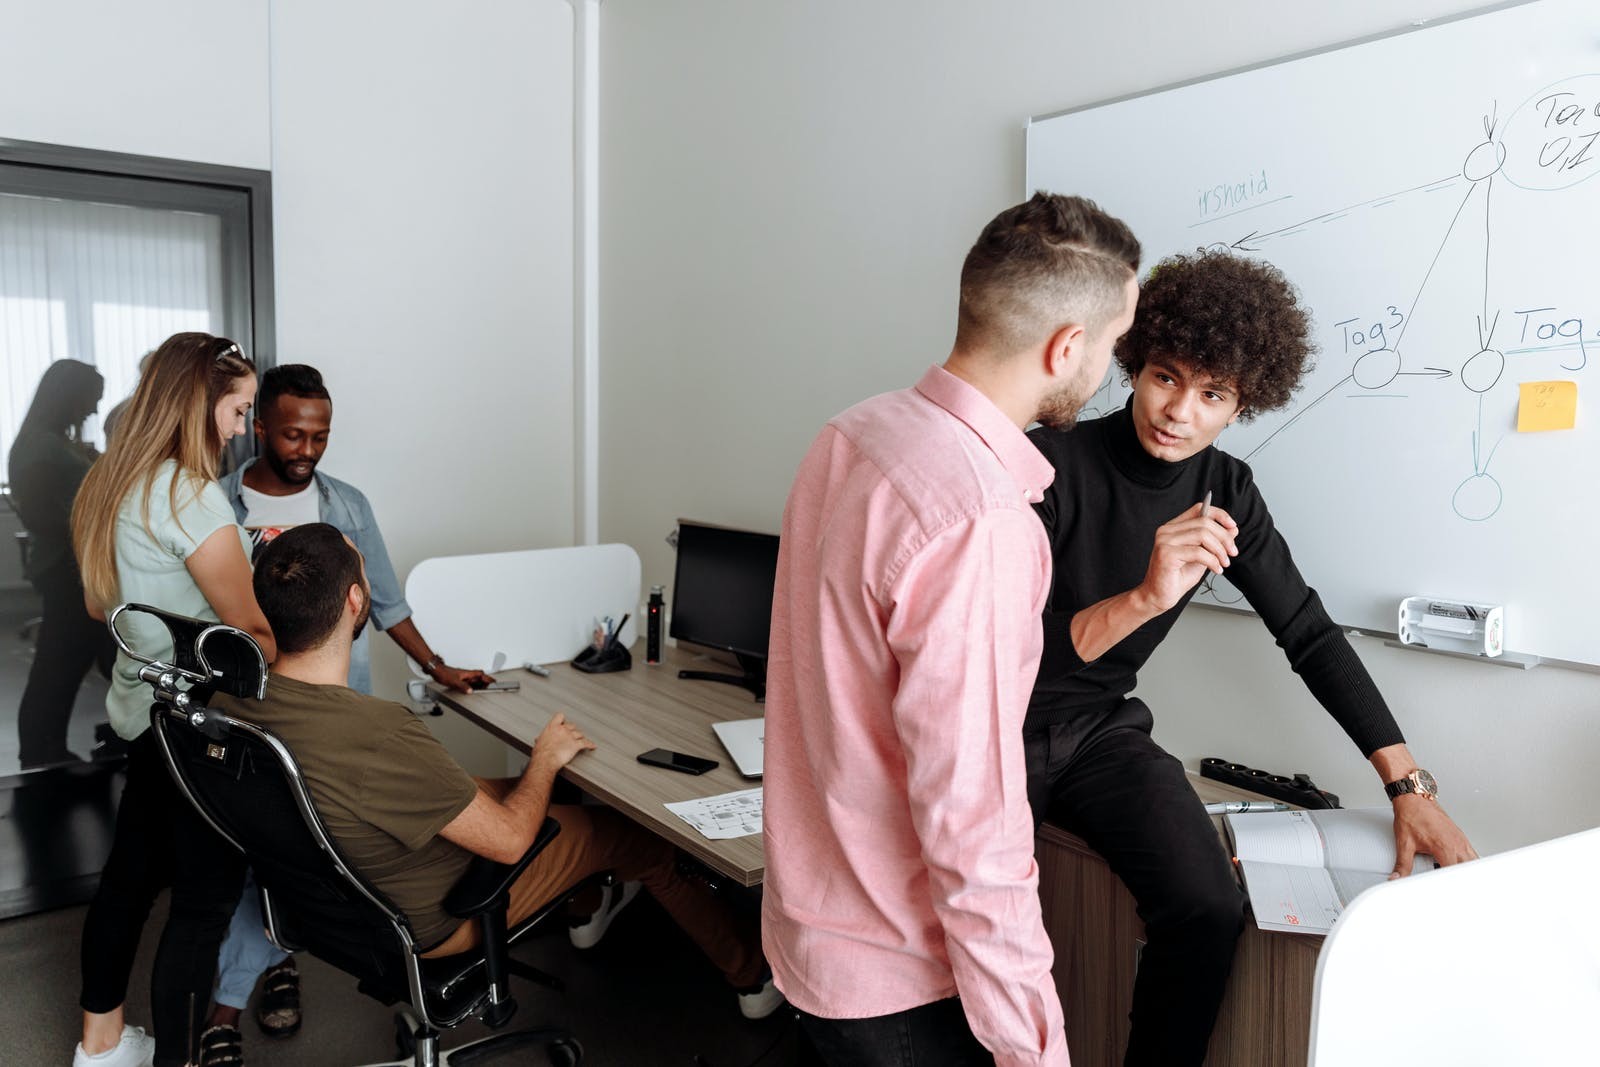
{"points": [[1265, 1019], [624, 714]]}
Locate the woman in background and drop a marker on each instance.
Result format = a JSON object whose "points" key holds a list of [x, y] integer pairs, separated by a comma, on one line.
{"points": [[47, 464], [151, 525]]}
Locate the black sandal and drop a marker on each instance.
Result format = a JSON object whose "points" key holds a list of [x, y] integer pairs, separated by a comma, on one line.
{"points": [[278, 1010], [222, 1046]]}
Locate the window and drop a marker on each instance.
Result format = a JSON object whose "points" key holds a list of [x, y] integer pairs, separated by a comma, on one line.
{"points": [[103, 256]]}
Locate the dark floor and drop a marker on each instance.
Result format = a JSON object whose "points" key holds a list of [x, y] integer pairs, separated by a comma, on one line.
{"points": [[641, 998]]}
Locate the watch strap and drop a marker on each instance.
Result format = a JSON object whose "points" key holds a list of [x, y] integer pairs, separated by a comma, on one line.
{"points": [[1400, 787]]}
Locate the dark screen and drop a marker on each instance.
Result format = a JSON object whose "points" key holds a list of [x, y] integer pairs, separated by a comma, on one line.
{"points": [[723, 593]]}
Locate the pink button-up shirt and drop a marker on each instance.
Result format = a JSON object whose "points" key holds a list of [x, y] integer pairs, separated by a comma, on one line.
{"points": [[905, 638]]}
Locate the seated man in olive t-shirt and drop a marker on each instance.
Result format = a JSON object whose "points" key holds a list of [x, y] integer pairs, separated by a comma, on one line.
{"points": [[409, 817]]}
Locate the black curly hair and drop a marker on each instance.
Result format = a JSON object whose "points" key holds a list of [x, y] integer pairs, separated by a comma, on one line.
{"points": [[1235, 319]]}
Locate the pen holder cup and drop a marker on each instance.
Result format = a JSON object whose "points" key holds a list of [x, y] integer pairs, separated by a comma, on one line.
{"points": [[603, 660]]}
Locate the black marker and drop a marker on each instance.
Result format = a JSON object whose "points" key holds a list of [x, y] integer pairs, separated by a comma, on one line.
{"points": [[615, 634]]}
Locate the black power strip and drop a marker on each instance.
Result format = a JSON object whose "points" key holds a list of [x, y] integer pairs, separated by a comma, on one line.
{"points": [[1299, 790]]}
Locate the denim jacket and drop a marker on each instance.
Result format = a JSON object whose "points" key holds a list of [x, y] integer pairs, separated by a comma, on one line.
{"points": [[345, 508]]}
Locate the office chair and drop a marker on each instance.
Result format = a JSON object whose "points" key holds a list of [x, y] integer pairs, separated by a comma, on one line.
{"points": [[248, 786]]}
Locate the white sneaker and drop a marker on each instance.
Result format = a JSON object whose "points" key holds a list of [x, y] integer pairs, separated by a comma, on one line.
{"points": [[135, 1049], [762, 1003], [613, 899]]}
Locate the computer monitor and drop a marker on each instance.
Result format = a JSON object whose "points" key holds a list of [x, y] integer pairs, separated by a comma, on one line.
{"points": [[722, 598]]}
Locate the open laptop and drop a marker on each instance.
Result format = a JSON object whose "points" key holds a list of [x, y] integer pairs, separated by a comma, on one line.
{"points": [[742, 739]]}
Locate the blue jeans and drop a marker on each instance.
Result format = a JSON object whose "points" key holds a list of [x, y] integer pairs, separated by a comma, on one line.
{"points": [[931, 1035], [246, 954]]}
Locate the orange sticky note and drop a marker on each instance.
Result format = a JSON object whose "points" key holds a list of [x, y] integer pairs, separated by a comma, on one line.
{"points": [[1547, 406]]}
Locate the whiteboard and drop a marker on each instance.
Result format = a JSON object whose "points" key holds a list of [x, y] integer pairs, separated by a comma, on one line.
{"points": [[1432, 196]]}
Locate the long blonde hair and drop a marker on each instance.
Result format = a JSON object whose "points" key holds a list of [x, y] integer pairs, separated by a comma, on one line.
{"points": [[171, 415]]}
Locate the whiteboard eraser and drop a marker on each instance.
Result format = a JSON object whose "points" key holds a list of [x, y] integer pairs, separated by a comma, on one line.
{"points": [[1452, 625]]}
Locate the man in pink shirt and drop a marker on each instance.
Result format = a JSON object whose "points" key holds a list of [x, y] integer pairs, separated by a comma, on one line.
{"points": [[901, 914]]}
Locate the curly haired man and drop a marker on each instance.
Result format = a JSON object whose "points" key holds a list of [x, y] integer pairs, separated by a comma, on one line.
{"points": [[1217, 338]]}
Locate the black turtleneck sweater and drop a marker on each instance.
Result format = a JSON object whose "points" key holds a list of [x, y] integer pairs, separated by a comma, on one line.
{"points": [[1101, 514]]}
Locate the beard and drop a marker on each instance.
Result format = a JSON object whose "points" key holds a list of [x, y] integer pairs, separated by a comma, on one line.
{"points": [[1059, 410], [283, 470]]}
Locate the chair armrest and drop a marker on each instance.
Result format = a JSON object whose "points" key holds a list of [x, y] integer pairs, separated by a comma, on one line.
{"points": [[487, 881]]}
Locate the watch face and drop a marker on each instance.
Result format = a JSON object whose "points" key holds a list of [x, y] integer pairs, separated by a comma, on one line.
{"points": [[1426, 783]]}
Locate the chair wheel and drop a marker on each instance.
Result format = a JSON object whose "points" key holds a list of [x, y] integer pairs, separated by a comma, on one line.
{"points": [[567, 1053]]}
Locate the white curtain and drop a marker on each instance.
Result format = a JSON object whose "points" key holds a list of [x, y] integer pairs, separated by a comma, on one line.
{"points": [[101, 283]]}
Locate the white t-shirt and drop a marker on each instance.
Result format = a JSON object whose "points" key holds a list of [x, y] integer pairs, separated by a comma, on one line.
{"points": [[150, 570], [268, 516]]}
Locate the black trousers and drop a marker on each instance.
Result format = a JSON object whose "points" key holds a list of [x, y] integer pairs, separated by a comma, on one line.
{"points": [[932, 1035], [160, 841], [69, 643], [1109, 782]]}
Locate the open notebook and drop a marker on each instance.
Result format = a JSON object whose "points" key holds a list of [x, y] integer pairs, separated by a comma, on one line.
{"points": [[1302, 868]]}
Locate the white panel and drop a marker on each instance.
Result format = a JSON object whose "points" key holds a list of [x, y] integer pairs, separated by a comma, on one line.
{"points": [[1489, 963], [536, 606]]}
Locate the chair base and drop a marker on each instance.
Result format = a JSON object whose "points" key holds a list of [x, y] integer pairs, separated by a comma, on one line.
{"points": [[561, 1048]]}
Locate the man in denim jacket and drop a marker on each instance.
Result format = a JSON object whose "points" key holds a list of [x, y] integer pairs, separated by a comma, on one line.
{"points": [[280, 490], [293, 416]]}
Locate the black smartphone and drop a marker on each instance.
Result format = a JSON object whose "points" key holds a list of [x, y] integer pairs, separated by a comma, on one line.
{"points": [[676, 761], [506, 685]]}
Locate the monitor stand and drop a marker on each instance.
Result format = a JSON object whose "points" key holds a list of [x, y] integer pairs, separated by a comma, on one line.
{"points": [[754, 677]]}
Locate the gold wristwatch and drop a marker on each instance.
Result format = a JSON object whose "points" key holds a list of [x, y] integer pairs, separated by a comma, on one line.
{"points": [[1418, 781]]}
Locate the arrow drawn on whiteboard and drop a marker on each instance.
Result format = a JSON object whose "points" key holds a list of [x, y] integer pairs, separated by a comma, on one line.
{"points": [[1478, 497], [1421, 288], [1425, 372], [1298, 415], [1490, 121], [1483, 342], [1255, 236]]}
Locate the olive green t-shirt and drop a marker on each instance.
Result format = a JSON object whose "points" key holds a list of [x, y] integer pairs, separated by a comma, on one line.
{"points": [[383, 786]]}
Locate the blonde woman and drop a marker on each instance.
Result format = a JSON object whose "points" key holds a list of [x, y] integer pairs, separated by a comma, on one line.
{"points": [[150, 525]]}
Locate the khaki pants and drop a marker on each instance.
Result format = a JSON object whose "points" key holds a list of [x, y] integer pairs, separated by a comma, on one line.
{"points": [[595, 839]]}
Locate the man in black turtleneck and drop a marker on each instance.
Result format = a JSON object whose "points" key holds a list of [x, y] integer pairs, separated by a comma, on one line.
{"points": [[1217, 338]]}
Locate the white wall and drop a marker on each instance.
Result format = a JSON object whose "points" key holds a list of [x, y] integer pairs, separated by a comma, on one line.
{"points": [[422, 183], [787, 191], [184, 79]]}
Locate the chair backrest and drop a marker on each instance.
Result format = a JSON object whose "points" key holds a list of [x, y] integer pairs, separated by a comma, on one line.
{"points": [[213, 655], [1488, 962], [247, 784]]}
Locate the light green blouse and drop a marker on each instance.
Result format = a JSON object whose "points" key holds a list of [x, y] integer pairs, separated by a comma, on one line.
{"points": [[151, 570]]}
